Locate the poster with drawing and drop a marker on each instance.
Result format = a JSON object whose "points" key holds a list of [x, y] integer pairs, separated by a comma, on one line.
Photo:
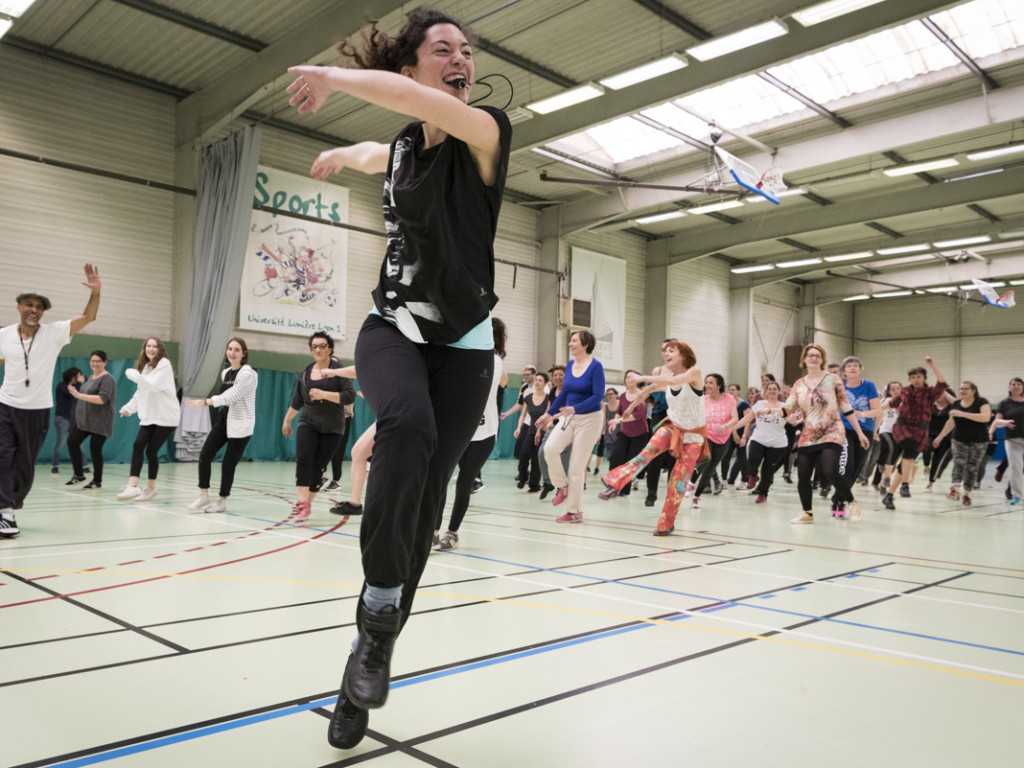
{"points": [[295, 271], [601, 280]]}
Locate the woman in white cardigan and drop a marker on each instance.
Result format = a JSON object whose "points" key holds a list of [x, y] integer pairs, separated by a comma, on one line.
{"points": [[233, 427], [156, 402]]}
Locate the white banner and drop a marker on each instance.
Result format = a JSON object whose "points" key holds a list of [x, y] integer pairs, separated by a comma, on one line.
{"points": [[601, 280], [295, 271]]}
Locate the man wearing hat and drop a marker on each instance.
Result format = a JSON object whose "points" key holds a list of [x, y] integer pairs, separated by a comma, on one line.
{"points": [[30, 351]]}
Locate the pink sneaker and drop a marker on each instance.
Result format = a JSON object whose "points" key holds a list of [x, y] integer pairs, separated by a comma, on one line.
{"points": [[560, 495], [302, 510], [570, 517]]}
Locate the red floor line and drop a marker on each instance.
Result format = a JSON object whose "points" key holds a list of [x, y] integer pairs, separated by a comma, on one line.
{"points": [[179, 573], [135, 562]]}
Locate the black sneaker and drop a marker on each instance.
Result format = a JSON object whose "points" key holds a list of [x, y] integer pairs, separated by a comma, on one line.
{"points": [[548, 488], [347, 508], [368, 672], [649, 501], [478, 485], [75, 480], [348, 723], [92, 486], [8, 527], [887, 501], [332, 486], [905, 491], [55, 471]]}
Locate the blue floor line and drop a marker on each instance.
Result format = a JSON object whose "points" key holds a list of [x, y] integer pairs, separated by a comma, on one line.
{"points": [[212, 730]]}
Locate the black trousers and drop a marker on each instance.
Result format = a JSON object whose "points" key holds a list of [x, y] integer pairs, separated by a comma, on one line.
{"points": [[218, 438], [313, 452], [741, 468], [472, 461], [22, 432], [75, 440], [825, 457], [764, 462], [149, 440], [718, 450], [428, 400], [339, 455], [529, 458]]}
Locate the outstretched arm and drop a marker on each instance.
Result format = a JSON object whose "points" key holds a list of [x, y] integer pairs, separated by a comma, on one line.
{"points": [[365, 157], [92, 282], [931, 364]]}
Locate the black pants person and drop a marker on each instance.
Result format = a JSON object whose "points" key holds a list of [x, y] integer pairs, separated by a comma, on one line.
{"points": [[217, 438], [472, 461], [313, 452], [764, 462], [428, 399], [75, 440], [22, 432], [626, 448], [825, 457], [148, 442], [529, 459], [703, 482]]}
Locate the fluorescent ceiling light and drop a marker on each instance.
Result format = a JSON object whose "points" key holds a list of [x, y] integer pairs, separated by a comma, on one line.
{"points": [[755, 268], [976, 175], [1017, 282], [784, 193], [849, 256], [857, 298], [964, 241], [988, 153], [798, 263], [942, 289], [14, 8], [816, 14], [745, 38], [725, 204], [903, 249], [893, 294], [1012, 234], [660, 217], [567, 98], [931, 165], [647, 71], [973, 287], [5, 24]]}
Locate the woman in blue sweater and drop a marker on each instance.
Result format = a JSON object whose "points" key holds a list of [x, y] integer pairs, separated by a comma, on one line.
{"points": [[578, 410]]}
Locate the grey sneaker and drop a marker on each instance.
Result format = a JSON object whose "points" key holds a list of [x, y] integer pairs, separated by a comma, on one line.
{"points": [[449, 541], [145, 494]]}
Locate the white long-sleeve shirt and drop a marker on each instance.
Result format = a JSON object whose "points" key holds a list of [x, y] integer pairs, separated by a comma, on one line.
{"points": [[155, 399], [240, 399]]}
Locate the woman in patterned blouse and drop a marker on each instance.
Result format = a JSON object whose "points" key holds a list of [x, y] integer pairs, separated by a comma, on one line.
{"points": [[820, 397]]}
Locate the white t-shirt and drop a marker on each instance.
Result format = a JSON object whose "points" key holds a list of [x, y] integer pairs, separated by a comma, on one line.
{"points": [[489, 420], [889, 416], [771, 427], [42, 351]]}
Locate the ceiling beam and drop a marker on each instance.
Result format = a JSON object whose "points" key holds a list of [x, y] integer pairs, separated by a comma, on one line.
{"points": [[837, 288], [799, 41], [862, 141], [209, 110], [776, 224]]}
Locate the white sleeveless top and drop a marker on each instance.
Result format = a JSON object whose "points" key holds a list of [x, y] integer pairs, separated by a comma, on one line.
{"points": [[686, 410]]}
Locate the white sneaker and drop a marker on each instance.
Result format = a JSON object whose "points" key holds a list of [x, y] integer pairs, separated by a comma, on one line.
{"points": [[741, 486], [220, 505], [145, 494], [449, 541], [128, 492], [201, 503], [8, 526]]}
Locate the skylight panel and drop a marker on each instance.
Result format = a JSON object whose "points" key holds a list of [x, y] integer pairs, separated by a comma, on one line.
{"points": [[626, 139], [984, 27], [681, 120], [742, 102]]}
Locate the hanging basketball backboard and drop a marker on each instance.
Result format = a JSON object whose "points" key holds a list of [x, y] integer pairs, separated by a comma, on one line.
{"points": [[767, 184]]}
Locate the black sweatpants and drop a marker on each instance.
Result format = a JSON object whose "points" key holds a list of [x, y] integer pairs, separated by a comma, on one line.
{"points": [[232, 455], [428, 400], [75, 440], [22, 432], [824, 456], [313, 452]]}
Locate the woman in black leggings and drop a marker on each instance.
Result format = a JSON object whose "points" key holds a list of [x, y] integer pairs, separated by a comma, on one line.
{"points": [[94, 419], [156, 402], [821, 397], [535, 405], [478, 450]]}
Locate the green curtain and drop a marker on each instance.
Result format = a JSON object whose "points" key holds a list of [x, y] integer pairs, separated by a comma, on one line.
{"points": [[273, 397]]}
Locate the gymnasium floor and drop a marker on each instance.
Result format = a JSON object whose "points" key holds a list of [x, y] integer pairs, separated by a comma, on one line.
{"points": [[140, 635]]}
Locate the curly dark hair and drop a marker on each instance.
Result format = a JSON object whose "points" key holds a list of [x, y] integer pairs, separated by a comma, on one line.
{"points": [[382, 51]]}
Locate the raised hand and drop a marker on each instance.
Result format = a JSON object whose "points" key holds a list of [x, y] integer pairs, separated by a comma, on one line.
{"points": [[92, 278], [309, 90]]}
